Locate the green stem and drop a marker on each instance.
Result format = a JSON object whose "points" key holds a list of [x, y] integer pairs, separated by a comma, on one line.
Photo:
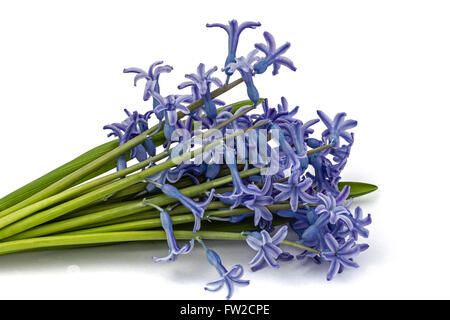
{"points": [[80, 190], [136, 190], [69, 224], [300, 246], [104, 238], [96, 164], [101, 192], [106, 190], [93, 185], [160, 200], [321, 148], [156, 222], [154, 214], [73, 165], [115, 237], [136, 225], [89, 210], [137, 216], [202, 243]]}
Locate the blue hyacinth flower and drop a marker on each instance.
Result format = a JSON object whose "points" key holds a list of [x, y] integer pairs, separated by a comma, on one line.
{"points": [[336, 210], [325, 177], [280, 115], [295, 189], [293, 161], [202, 81], [152, 77], [340, 154], [284, 112], [174, 250], [340, 255], [239, 218], [197, 208], [186, 169], [212, 171], [131, 127], [313, 235], [267, 248], [169, 106], [240, 190], [227, 278], [259, 202], [234, 31], [337, 128], [359, 224], [196, 115], [298, 132], [311, 229], [156, 180], [273, 56], [245, 67]]}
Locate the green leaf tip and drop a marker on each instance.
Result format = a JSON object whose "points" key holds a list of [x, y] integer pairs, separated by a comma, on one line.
{"points": [[357, 189]]}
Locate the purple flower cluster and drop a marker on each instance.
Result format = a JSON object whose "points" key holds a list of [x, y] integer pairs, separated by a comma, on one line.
{"points": [[329, 226], [131, 127], [299, 170]]}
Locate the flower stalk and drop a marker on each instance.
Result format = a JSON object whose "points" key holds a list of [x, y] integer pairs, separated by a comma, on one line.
{"points": [[74, 177], [52, 213], [99, 193]]}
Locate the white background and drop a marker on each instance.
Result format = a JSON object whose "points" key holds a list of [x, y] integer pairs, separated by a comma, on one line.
{"points": [[386, 63]]}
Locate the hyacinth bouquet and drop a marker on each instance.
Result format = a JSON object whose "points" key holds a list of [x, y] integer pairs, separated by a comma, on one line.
{"points": [[194, 169]]}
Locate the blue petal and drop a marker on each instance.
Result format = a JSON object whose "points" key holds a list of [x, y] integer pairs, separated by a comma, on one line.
{"points": [[334, 268]]}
